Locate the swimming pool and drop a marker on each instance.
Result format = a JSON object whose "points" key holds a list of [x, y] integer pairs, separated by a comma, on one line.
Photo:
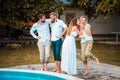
{"points": [[13, 74]]}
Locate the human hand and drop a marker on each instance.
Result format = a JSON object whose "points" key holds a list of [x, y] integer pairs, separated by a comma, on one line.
{"points": [[38, 37], [74, 29], [59, 36], [50, 22], [81, 36]]}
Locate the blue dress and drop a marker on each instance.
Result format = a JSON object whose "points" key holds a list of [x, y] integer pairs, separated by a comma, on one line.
{"points": [[68, 59]]}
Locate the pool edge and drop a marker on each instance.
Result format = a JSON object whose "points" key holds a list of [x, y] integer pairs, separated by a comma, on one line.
{"points": [[67, 77]]}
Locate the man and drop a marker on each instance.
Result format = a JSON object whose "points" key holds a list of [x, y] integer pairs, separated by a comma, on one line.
{"points": [[86, 43], [57, 32], [42, 28]]}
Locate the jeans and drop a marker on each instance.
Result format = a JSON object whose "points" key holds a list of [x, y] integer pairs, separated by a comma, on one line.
{"points": [[56, 47]]}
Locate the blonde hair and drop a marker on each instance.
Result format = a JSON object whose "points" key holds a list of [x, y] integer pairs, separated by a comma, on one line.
{"points": [[84, 17]]}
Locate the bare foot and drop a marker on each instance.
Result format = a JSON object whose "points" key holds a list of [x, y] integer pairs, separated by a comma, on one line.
{"points": [[97, 61], [86, 73], [54, 70], [58, 71], [63, 72], [42, 69], [45, 67]]}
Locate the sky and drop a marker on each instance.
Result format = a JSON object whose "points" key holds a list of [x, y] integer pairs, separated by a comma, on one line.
{"points": [[65, 1]]}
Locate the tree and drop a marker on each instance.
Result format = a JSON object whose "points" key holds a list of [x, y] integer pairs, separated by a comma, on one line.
{"points": [[93, 8], [15, 11], [108, 8]]}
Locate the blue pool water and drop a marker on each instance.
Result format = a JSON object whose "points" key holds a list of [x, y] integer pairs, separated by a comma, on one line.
{"points": [[13, 75]]}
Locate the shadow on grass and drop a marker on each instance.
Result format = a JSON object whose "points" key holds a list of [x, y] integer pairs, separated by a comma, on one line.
{"points": [[29, 54]]}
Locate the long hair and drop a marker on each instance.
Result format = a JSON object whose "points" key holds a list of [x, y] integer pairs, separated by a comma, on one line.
{"points": [[72, 23]]}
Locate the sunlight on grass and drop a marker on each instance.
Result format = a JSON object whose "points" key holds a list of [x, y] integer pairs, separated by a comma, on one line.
{"points": [[29, 54], [106, 53]]}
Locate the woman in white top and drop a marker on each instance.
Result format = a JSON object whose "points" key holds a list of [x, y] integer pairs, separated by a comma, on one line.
{"points": [[68, 61], [86, 42]]}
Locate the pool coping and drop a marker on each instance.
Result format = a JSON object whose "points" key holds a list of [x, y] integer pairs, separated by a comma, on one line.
{"points": [[67, 77]]}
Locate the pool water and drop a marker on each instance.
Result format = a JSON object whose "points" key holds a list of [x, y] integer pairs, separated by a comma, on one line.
{"points": [[13, 75]]}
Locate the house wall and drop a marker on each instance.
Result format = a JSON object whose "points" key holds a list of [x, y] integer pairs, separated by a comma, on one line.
{"points": [[77, 12], [118, 23], [99, 25]]}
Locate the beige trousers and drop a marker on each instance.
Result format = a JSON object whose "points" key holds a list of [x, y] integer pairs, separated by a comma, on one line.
{"points": [[86, 51], [44, 49]]}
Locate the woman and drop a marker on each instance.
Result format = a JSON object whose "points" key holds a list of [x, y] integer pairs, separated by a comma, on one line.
{"points": [[86, 43], [68, 62]]}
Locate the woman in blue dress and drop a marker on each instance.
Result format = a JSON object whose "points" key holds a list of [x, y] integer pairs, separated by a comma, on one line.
{"points": [[68, 61]]}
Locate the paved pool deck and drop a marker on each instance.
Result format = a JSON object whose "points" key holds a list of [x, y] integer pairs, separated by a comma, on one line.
{"points": [[100, 72]]}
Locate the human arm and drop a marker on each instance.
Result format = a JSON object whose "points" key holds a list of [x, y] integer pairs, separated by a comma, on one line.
{"points": [[64, 31], [32, 31], [81, 27], [88, 30], [63, 28]]}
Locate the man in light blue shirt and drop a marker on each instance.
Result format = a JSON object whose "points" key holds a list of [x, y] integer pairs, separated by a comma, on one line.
{"points": [[42, 28], [58, 29]]}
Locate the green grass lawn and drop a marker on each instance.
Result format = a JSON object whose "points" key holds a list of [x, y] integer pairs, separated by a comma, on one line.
{"points": [[29, 54], [106, 53]]}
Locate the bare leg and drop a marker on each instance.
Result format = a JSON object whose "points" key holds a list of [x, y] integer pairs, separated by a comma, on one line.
{"points": [[86, 69], [42, 68], [45, 66], [58, 66], [96, 59], [55, 69]]}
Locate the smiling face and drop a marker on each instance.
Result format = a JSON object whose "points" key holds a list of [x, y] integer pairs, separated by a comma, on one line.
{"points": [[43, 18], [53, 16], [83, 20]]}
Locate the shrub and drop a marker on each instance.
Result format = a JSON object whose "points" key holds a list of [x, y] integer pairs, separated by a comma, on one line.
{"points": [[14, 46]]}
